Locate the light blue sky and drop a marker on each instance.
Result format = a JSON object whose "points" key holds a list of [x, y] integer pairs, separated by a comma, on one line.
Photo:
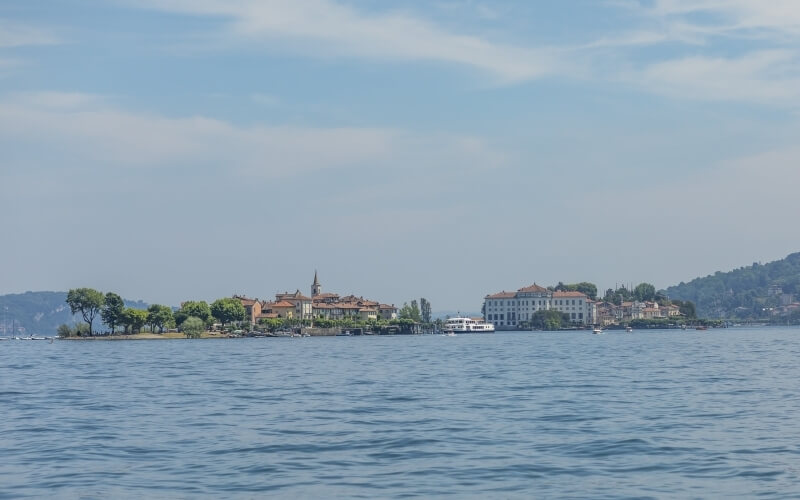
{"points": [[191, 149]]}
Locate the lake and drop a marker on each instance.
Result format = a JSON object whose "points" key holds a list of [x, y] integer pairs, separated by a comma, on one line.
{"points": [[651, 414]]}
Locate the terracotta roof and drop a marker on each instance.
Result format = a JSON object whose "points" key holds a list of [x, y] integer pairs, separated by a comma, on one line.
{"points": [[291, 296], [326, 296], [532, 288], [283, 303], [502, 295], [569, 294], [245, 301], [386, 306]]}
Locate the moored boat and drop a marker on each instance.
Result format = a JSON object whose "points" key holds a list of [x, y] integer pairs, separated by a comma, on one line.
{"points": [[467, 325]]}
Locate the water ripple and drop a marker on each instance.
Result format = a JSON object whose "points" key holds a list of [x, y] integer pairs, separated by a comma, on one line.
{"points": [[518, 415]]}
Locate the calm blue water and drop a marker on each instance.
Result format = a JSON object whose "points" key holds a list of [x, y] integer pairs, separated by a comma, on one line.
{"points": [[665, 414]]}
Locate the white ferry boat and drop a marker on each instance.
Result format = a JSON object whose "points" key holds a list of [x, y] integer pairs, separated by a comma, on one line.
{"points": [[467, 325]]}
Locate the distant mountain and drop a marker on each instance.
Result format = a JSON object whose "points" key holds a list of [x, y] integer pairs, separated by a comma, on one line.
{"points": [[760, 291], [40, 312]]}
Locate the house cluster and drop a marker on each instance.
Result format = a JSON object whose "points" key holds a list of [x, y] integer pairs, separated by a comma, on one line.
{"points": [[609, 314], [787, 305], [510, 309], [295, 305]]}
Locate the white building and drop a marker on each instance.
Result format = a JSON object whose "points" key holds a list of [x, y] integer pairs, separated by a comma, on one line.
{"points": [[509, 309]]}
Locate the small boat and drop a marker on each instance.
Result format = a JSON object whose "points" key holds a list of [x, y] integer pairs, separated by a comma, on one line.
{"points": [[628, 329], [597, 330], [701, 328]]}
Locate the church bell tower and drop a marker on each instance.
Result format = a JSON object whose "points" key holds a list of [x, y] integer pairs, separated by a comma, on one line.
{"points": [[316, 288]]}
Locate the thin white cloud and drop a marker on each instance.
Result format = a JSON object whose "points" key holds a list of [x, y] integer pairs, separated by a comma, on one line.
{"points": [[17, 35], [91, 133], [768, 77], [329, 28], [775, 19]]}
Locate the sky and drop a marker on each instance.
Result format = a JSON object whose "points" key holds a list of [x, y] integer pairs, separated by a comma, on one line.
{"points": [[173, 150]]}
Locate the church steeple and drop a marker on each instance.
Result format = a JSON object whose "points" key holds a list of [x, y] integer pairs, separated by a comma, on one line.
{"points": [[316, 288]]}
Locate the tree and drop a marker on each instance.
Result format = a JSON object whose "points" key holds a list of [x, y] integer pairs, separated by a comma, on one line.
{"points": [[193, 327], [415, 313], [64, 331], [590, 289], [227, 310], [644, 291], [405, 312], [686, 308], [133, 319], [87, 301], [549, 320], [425, 310], [160, 317], [198, 309], [273, 324], [112, 311]]}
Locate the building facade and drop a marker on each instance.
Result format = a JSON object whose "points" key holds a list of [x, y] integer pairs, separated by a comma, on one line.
{"points": [[510, 309], [295, 305]]}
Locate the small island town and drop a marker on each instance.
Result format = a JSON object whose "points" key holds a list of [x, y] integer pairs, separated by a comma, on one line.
{"points": [[320, 313]]}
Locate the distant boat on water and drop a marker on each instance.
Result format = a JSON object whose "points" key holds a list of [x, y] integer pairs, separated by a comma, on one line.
{"points": [[467, 325]]}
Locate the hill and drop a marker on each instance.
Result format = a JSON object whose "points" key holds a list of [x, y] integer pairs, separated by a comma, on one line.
{"points": [[40, 312], [760, 291]]}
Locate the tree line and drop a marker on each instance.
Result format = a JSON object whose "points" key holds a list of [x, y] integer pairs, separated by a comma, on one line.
{"points": [[111, 310], [194, 317]]}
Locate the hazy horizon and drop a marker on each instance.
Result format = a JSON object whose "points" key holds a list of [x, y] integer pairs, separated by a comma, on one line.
{"points": [[183, 150]]}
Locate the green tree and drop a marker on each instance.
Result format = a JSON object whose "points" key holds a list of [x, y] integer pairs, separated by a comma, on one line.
{"points": [[549, 320], [193, 327], [425, 310], [198, 309], [415, 312], [589, 289], [227, 310], [64, 331], [644, 291], [159, 316], [112, 311], [87, 301], [686, 308], [273, 324], [134, 319]]}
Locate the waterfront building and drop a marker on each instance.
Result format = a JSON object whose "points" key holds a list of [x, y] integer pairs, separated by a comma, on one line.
{"points": [[302, 304], [509, 309], [295, 305], [252, 308]]}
